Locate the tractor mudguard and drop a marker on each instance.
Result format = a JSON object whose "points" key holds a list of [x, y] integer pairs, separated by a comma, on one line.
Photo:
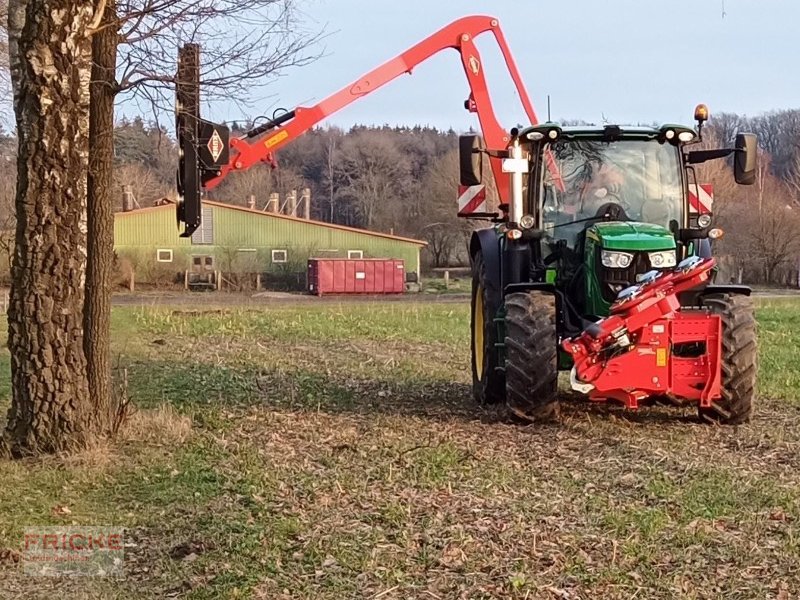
{"points": [[569, 322], [695, 297], [539, 286], [487, 242], [737, 290], [704, 248]]}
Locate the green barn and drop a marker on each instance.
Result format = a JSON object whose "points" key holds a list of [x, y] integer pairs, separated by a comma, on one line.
{"points": [[234, 239]]}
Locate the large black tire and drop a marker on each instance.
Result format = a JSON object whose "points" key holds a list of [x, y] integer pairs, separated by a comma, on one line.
{"points": [[739, 354], [488, 381], [531, 356]]}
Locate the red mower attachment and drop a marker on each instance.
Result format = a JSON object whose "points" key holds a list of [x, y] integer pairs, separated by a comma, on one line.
{"points": [[650, 346]]}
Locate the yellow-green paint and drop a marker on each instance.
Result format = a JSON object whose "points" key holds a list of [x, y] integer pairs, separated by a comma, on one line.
{"points": [[143, 232]]}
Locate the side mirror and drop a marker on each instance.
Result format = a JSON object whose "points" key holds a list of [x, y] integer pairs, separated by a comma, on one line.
{"points": [[470, 159], [745, 162]]}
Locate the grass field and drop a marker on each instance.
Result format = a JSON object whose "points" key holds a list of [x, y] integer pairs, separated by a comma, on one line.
{"points": [[332, 451]]}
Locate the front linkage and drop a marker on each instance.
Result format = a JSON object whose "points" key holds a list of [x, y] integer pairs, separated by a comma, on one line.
{"points": [[650, 346]]}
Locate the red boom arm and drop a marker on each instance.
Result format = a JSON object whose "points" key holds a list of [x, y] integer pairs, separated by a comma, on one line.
{"points": [[459, 35]]}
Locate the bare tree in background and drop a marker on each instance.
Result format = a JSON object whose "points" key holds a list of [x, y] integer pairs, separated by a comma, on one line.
{"points": [[142, 182], [773, 231], [50, 65], [330, 174], [258, 182], [793, 180], [374, 173], [447, 234], [245, 44]]}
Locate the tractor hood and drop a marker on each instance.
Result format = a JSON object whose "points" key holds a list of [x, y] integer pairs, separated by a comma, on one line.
{"points": [[629, 235]]}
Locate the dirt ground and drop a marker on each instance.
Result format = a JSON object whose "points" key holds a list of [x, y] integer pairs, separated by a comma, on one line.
{"points": [[328, 450]]}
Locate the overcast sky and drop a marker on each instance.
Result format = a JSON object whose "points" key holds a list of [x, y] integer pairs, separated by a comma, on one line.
{"points": [[622, 61]]}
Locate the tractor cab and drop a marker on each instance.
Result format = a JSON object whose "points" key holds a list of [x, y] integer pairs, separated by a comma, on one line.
{"points": [[596, 208], [612, 204], [607, 202]]}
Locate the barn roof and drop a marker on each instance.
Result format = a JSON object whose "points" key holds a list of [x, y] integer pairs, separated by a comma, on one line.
{"points": [[170, 205]]}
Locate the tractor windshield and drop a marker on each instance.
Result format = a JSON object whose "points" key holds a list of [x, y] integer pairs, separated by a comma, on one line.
{"points": [[642, 177]]}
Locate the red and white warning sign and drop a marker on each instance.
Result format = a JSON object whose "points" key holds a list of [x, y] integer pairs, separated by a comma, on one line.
{"points": [[701, 198], [471, 199], [215, 145]]}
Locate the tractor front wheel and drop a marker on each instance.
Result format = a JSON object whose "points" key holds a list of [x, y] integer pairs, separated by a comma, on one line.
{"points": [[488, 385], [531, 356], [739, 351]]}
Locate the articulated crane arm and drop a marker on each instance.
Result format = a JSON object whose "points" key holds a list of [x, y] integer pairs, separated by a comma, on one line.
{"points": [[208, 156]]}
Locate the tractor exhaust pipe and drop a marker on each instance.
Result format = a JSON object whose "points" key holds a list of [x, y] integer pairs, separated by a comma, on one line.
{"points": [[517, 166]]}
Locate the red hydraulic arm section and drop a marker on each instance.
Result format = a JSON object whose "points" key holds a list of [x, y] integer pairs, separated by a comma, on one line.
{"points": [[650, 346], [260, 144]]}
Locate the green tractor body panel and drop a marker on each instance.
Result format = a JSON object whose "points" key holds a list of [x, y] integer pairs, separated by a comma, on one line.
{"points": [[602, 283], [631, 237]]}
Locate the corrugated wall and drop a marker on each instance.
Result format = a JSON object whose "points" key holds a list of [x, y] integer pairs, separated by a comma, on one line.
{"points": [[153, 229]]}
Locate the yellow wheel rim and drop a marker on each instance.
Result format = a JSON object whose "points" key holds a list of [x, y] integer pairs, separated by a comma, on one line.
{"points": [[477, 331]]}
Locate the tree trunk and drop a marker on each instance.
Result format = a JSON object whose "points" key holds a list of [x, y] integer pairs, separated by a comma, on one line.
{"points": [[100, 218], [50, 409]]}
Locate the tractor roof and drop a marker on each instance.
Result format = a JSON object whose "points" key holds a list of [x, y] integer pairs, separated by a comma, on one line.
{"points": [[599, 129], [607, 131]]}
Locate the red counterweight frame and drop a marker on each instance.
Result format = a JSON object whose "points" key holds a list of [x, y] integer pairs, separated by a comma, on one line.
{"points": [[630, 355]]}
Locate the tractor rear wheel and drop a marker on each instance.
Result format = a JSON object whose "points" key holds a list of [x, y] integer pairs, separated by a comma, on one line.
{"points": [[531, 356], [488, 383], [739, 351]]}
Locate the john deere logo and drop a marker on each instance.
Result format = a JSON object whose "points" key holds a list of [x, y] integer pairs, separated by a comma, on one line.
{"points": [[215, 145], [474, 65]]}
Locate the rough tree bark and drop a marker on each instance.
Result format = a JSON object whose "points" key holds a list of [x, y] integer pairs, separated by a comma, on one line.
{"points": [[50, 409], [100, 217]]}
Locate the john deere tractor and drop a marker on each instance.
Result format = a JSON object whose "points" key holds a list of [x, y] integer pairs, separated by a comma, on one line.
{"points": [[597, 216]]}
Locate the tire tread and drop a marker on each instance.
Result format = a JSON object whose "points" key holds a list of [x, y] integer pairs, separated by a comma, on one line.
{"points": [[531, 356], [739, 359]]}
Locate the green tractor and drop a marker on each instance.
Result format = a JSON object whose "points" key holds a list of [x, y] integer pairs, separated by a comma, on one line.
{"points": [[591, 212]]}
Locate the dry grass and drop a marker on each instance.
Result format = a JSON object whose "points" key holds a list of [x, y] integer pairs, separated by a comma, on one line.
{"points": [[161, 425]]}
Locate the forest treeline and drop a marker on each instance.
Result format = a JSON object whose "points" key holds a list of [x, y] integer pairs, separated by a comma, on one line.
{"points": [[403, 179]]}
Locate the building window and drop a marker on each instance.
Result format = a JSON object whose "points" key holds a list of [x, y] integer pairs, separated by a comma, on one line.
{"points": [[197, 261], [355, 254], [164, 255], [280, 256]]}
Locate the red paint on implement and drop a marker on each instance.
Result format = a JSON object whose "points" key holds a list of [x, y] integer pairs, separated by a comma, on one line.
{"points": [[458, 35], [629, 356]]}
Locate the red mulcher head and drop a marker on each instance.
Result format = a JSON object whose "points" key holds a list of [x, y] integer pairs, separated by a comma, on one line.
{"points": [[650, 346]]}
